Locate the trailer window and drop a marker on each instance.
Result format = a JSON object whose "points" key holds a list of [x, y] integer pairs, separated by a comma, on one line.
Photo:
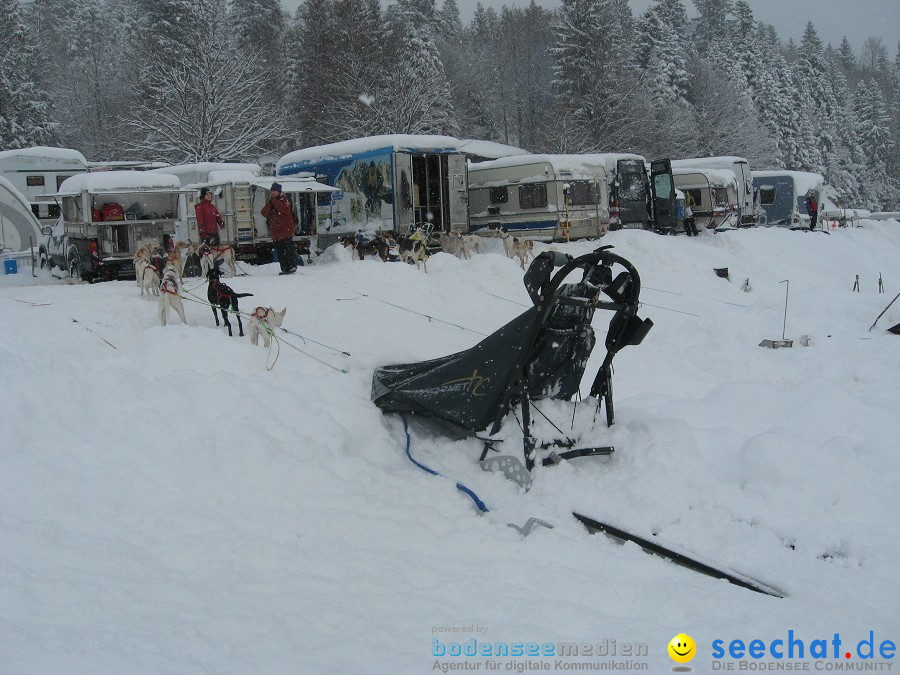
{"points": [[582, 193], [533, 196], [499, 195], [34, 181], [767, 195], [695, 195], [720, 196]]}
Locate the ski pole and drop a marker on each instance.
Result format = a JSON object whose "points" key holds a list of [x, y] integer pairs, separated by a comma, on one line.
{"points": [[885, 309]]}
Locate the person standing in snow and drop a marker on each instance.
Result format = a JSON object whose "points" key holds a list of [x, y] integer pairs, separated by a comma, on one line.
{"points": [[280, 218], [812, 208], [690, 226], [209, 222]]}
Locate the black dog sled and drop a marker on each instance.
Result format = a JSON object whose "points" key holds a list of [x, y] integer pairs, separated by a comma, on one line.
{"points": [[539, 355]]}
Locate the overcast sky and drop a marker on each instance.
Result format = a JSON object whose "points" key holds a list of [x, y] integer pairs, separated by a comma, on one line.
{"points": [[857, 19]]}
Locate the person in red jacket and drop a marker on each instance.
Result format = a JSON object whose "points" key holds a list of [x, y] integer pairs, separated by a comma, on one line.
{"points": [[280, 217], [812, 208], [209, 222]]}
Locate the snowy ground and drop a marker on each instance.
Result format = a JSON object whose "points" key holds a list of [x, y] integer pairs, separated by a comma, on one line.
{"points": [[167, 504]]}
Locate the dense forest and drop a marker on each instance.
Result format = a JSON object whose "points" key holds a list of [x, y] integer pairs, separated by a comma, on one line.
{"points": [[197, 80]]}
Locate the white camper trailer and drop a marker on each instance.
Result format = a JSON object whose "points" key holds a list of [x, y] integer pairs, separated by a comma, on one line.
{"points": [[744, 206], [39, 170], [19, 228], [239, 193], [543, 197], [714, 192], [104, 218]]}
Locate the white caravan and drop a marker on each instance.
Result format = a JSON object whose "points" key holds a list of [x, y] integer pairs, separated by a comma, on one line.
{"points": [[714, 192], [744, 206], [543, 197], [239, 193], [19, 228]]}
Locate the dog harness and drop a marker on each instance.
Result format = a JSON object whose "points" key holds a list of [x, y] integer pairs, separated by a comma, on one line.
{"points": [[261, 313], [169, 285]]}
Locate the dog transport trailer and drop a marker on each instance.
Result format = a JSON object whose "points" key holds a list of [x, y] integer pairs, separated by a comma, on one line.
{"points": [[782, 196], [744, 206], [104, 218], [629, 190], [397, 183], [542, 197], [712, 190], [19, 227]]}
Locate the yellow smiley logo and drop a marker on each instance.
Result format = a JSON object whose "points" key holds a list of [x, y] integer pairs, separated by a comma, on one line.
{"points": [[682, 648]]}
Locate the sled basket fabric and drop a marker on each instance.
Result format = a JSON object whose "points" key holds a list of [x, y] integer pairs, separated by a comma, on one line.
{"points": [[540, 354], [464, 388]]}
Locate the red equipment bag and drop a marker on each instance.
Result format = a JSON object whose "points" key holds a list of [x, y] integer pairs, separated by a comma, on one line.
{"points": [[113, 212], [96, 216]]}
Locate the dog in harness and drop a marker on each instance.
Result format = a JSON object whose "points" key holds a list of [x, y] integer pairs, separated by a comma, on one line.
{"points": [[170, 294], [264, 319], [223, 297], [212, 255]]}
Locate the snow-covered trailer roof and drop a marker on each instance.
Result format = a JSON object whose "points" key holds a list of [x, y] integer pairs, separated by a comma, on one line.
{"points": [[346, 149], [804, 181], [725, 162], [482, 151], [109, 182], [199, 172], [684, 177], [295, 184], [534, 168], [610, 160], [17, 222], [45, 156]]}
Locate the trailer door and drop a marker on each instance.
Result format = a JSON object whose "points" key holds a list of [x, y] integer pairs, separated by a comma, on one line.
{"points": [[458, 194], [631, 192], [403, 191], [663, 189]]}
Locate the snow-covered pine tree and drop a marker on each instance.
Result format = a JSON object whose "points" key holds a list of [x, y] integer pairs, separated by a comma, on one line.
{"points": [[594, 84], [415, 98], [873, 124], [311, 59], [726, 120], [24, 106], [847, 59], [211, 106], [93, 85], [260, 28], [710, 34], [354, 82]]}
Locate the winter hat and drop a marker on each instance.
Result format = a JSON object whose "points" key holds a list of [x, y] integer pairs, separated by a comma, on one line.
{"points": [[276, 187], [203, 192]]}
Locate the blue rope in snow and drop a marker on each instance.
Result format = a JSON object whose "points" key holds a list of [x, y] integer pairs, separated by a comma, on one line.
{"points": [[480, 504]]}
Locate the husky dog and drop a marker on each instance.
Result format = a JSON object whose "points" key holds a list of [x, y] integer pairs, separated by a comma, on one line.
{"points": [[264, 320], [170, 294]]}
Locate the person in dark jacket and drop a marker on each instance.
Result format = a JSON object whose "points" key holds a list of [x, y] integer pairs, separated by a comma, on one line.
{"points": [[812, 208], [209, 222], [280, 218]]}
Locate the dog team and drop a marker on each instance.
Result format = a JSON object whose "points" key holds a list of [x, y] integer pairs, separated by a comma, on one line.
{"points": [[160, 274], [414, 248]]}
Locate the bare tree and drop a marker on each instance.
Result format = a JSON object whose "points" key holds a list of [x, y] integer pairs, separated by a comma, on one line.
{"points": [[210, 108]]}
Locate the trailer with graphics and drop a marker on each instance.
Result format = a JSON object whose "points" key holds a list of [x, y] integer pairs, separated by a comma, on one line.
{"points": [[397, 182]]}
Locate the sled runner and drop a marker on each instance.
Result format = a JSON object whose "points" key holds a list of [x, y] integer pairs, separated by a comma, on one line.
{"points": [[542, 354]]}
